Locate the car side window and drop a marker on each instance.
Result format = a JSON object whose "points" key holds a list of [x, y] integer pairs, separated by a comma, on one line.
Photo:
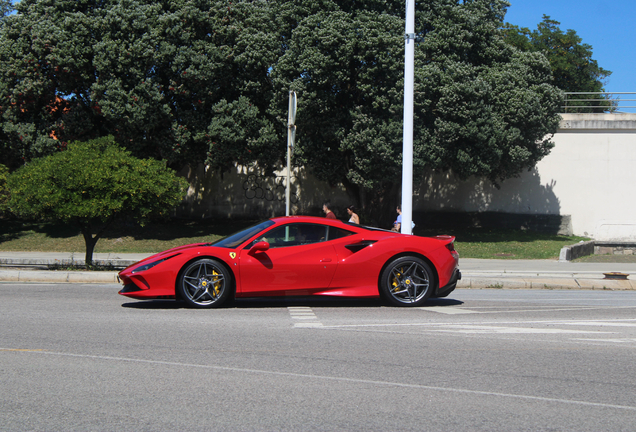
{"points": [[294, 235], [336, 233]]}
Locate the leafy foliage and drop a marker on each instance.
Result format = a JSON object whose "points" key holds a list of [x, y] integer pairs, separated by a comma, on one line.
{"points": [[571, 61], [4, 191], [92, 184], [164, 78], [484, 108], [346, 65], [192, 81], [6, 7]]}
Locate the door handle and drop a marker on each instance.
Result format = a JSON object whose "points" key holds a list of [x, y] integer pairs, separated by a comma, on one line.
{"points": [[325, 260]]}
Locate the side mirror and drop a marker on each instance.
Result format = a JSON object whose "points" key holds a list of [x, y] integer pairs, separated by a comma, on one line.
{"points": [[260, 246]]}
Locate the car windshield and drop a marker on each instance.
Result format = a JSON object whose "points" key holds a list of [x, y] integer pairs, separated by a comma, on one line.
{"points": [[236, 239]]}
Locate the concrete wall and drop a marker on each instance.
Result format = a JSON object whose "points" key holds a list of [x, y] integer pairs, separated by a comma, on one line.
{"points": [[247, 192], [589, 175], [593, 169], [588, 178]]}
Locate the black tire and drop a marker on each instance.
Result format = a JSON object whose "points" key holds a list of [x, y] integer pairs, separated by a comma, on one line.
{"points": [[407, 281], [205, 283]]}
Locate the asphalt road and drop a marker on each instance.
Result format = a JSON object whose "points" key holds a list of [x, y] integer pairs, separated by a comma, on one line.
{"points": [[80, 357]]}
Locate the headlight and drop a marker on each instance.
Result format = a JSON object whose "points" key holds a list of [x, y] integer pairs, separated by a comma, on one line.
{"points": [[152, 264]]}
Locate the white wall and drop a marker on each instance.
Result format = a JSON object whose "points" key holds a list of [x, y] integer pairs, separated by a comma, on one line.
{"points": [[590, 175]]}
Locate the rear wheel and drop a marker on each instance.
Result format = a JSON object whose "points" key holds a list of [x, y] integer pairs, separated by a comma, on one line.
{"points": [[407, 281], [205, 283]]}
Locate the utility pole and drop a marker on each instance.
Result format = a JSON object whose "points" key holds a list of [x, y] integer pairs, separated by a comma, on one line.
{"points": [[407, 149], [291, 135]]}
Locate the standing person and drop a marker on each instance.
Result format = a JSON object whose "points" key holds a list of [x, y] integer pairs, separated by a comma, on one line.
{"points": [[351, 210], [326, 207], [397, 225]]}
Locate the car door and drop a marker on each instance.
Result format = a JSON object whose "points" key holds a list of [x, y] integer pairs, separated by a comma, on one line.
{"points": [[299, 261]]}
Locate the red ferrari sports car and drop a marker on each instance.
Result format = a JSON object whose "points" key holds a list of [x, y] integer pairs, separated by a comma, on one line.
{"points": [[299, 256]]}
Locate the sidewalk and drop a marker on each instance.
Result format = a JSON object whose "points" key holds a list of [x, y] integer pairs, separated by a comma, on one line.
{"points": [[476, 273], [32, 266], [545, 274], [44, 259]]}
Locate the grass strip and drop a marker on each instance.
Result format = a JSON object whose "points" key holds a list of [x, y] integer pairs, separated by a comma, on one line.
{"points": [[131, 238]]}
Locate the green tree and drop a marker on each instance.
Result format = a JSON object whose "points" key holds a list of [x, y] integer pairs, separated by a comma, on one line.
{"points": [[346, 64], [571, 61], [207, 81], [180, 80], [91, 185], [4, 191], [483, 108], [6, 7]]}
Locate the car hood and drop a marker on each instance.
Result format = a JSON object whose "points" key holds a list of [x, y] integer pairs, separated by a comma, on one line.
{"points": [[167, 252]]}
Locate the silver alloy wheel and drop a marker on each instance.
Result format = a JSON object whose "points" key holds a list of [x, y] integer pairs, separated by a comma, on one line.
{"points": [[408, 281], [204, 283]]}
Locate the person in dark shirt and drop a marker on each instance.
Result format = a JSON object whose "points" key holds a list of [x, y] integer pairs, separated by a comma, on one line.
{"points": [[326, 207]]}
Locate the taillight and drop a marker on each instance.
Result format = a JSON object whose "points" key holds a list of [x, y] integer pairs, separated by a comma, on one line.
{"points": [[449, 243]]}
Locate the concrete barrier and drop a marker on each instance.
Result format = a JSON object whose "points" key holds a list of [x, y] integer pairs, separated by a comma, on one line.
{"points": [[568, 253]]}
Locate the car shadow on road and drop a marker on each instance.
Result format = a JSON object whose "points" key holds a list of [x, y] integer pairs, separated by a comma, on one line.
{"points": [[284, 302], [443, 302], [155, 304]]}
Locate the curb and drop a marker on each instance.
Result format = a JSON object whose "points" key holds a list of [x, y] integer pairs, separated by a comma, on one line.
{"points": [[495, 280], [65, 262], [547, 283], [54, 276]]}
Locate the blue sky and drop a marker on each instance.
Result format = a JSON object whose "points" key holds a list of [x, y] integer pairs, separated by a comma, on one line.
{"points": [[608, 26]]}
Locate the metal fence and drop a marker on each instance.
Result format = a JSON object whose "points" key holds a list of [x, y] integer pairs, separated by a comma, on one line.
{"points": [[599, 102]]}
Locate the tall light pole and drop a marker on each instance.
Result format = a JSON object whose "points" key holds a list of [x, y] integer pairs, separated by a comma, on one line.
{"points": [[407, 139], [291, 134]]}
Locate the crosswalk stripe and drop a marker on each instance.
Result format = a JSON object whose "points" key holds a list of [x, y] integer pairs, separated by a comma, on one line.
{"points": [[448, 310], [304, 313]]}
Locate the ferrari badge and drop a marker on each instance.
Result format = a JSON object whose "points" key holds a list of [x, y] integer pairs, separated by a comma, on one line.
{"points": [[232, 255]]}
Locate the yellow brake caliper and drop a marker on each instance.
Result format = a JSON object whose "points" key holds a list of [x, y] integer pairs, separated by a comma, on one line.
{"points": [[217, 285], [396, 283]]}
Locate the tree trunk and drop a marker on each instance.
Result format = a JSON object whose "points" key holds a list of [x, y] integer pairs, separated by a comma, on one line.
{"points": [[90, 242]]}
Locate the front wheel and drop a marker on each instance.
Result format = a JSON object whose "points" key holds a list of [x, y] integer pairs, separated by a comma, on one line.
{"points": [[205, 283], [407, 281]]}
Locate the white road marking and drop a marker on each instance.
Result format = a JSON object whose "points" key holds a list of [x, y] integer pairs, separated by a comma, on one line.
{"points": [[307, 324], [620, 341], [448, 310], [613, 323], [304, 313], [510, 310], [475, 329], [341, 379], [485, 323]]}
